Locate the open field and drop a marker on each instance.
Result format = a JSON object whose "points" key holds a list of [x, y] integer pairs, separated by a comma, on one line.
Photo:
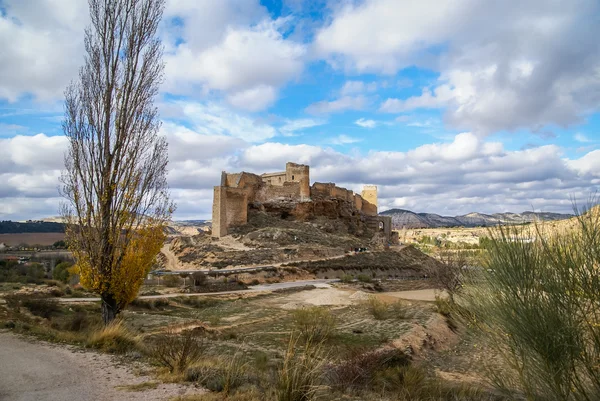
{"points": [[254, 329], [44, 239]]}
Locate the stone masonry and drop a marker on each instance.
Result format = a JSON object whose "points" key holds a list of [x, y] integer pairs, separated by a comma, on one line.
{"points": [[240, 190]]}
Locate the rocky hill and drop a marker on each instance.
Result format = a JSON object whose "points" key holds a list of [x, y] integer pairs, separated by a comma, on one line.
{"points": [[407, 219]]}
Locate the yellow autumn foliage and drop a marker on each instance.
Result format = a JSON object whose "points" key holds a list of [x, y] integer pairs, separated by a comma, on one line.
{"points": [[125, 278]]}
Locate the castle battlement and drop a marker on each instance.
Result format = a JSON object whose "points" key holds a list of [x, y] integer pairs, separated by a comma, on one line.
{"points": [[238, 191]]}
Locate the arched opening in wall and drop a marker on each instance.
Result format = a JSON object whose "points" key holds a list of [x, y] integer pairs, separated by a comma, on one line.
{"points": [[381, 226], [285, 214], [279, 179]]}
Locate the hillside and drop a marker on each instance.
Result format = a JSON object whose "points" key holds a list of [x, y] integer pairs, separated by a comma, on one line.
{"points": [[15, 227], [407, 219]]}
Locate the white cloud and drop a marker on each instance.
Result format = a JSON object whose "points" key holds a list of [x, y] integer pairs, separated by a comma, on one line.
{"points": [[254, 99], [42, 47], [467, 172], [365, 123], [335, 106], [247, 62], [215, 119], [503, 65]]}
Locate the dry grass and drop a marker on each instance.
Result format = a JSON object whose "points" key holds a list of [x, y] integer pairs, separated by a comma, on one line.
{"points": [[114, 338], [299, 378], [383, 311], [177, 351], [314, 323]]}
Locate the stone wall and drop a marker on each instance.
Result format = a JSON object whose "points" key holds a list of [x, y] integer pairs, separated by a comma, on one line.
{"points": [[219, 219], [289, 190], [284, 190], [277, 179], [230, 208]]}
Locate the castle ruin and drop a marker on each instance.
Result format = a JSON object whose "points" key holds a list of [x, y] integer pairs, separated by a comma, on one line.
{"points": [[290, 193]]}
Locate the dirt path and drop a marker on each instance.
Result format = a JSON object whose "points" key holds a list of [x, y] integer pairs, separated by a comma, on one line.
{"points": [[172, 261], [42, 371]]}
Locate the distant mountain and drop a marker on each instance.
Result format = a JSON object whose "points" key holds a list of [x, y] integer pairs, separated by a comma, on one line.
{"points": [[405, 218]]}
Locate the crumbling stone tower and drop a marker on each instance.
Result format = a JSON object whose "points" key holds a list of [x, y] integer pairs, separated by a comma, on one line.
{"points": [[299, 173], [369, 193]]}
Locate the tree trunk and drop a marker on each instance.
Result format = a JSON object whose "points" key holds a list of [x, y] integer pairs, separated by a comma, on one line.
{"points": [[110, 309]]}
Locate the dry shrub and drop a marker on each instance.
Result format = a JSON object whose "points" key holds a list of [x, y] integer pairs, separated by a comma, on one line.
{"points": [[314, 323], [114, 338], [361, 368], [383, 311], [299, 378], [221, 375], [177, 351], [171, 280], [43, 307], [150, 304]]}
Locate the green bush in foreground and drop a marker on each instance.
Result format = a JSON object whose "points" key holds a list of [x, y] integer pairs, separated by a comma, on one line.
{"points": [[537, 303]]}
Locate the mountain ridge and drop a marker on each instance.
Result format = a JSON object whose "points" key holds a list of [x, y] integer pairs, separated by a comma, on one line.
{"points": [[403, 218]]}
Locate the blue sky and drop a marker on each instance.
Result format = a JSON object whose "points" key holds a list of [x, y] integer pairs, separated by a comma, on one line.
{"points": [[449, 106]]}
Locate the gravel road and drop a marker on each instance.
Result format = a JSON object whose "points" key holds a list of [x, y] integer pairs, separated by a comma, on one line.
{"points": [[40, 371]]}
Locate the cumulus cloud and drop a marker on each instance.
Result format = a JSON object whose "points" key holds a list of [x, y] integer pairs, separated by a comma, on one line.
{"points": [[246, 57], [42, 47], [467, 172], [516, 72]]}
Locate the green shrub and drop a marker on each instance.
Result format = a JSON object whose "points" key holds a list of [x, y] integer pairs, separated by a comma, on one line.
{"points": [[536, 303], [347, 278], [61, 272], [364, 278]]}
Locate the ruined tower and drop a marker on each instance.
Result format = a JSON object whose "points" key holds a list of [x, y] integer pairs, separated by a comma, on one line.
{"points": [[299, 173], [369, 193]]}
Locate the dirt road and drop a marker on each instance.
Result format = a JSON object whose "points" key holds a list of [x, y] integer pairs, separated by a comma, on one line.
{"points": [[42, 371], [321, 283]]}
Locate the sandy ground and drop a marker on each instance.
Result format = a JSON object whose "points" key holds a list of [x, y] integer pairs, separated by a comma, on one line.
{"points": [[416, 295], [341, 297], [42, 371]]}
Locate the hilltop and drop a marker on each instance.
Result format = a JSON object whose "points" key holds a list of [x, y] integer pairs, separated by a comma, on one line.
{"points": [[402, 218]]}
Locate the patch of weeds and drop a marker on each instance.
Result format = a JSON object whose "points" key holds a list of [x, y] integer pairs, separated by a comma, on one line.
{"points": [[383, 311], [177, 351], [114, 338], [361, 368], [314, 323]]}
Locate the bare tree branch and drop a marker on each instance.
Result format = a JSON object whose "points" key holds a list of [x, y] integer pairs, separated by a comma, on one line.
{"points": [[115, 180]]}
